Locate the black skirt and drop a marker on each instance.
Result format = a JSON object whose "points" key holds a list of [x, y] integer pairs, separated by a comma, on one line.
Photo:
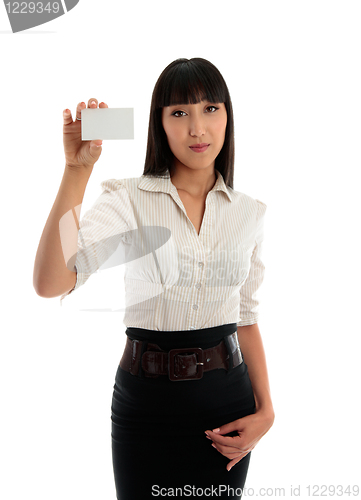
{"points": [[158, 425]]}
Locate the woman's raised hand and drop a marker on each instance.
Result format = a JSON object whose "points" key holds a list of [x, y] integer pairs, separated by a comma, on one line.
{"points": [[80, 155]]}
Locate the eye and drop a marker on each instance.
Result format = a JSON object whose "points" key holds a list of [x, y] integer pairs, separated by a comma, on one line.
{"points": [[175, 113], [214, 107]]}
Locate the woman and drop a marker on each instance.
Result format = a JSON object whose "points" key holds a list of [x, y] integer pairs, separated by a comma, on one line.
{"points": [[193, 373]]}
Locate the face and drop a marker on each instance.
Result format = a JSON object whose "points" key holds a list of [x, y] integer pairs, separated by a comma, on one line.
{"points": [[187, 125]]}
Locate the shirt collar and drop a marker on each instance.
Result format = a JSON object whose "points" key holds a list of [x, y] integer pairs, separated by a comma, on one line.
{"points": [[164, 184]]}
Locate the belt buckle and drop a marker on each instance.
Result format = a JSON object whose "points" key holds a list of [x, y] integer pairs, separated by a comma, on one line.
{"points": [[191, 350]]}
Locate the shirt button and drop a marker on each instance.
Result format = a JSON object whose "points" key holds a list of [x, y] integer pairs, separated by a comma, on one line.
{"points": [[198, 285], [195, 306], [125, 237], [193, 327], [200, 264]]}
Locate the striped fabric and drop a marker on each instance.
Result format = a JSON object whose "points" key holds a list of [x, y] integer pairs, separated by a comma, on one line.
{"points": [[174, 278]]}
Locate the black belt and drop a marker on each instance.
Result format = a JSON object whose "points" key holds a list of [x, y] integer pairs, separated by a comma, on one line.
{"points": [[188, 363]]}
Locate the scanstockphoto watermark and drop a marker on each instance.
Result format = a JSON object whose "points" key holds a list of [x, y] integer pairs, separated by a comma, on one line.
{"points": [[310, 490], [157, 263], [194, 491], [25, 14]]}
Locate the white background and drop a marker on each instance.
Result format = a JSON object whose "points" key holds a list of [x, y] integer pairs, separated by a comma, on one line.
{"points": [[293, 71]]}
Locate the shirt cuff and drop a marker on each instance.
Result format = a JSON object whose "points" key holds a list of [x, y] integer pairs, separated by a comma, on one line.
{"points": [[249, 321], [81, 278]]}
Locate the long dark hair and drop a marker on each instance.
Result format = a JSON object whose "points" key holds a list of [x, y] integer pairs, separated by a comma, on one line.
{"points": [[187, 81]]}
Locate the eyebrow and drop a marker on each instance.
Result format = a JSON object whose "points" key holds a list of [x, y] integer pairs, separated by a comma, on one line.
{"points": [[189, 104]]}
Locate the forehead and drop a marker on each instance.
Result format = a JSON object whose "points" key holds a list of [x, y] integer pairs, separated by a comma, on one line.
{"points": [[190, 88]]}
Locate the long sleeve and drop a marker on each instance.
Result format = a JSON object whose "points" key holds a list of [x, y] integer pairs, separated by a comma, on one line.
{"points": [[249, 302], [101, 229]]}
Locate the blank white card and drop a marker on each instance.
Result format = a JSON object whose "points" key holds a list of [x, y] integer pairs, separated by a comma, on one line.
{"points": [[107, 123]]}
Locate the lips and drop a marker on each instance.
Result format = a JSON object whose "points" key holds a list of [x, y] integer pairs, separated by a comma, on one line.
{"points": [[199, 148]]}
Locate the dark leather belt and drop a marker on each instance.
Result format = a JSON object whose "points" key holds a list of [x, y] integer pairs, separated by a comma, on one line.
{"points": [[148, 359]]}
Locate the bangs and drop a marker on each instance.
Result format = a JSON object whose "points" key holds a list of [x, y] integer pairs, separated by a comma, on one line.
{"points": [[188, 83]]}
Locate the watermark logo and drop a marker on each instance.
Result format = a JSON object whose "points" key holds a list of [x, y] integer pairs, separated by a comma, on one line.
{"points": [[25, 15], [157, 264]]}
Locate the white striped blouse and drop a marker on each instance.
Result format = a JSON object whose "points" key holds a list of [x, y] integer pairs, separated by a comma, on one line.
{"points": [[174, 278]]}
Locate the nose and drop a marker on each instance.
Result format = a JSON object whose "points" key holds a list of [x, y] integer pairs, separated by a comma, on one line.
{"points": [[197, 126]]}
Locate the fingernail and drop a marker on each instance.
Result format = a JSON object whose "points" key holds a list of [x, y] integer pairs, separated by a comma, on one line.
{"points": [[213, 445], [216, 430], [93, 102]]}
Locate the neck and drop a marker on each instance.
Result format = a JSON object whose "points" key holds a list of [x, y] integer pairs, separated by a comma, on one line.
{"points": [[197, 183]]}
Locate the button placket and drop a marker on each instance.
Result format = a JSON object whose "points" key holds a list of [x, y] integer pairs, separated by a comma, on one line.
{"points": [[198, 263], [197, 286]]}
